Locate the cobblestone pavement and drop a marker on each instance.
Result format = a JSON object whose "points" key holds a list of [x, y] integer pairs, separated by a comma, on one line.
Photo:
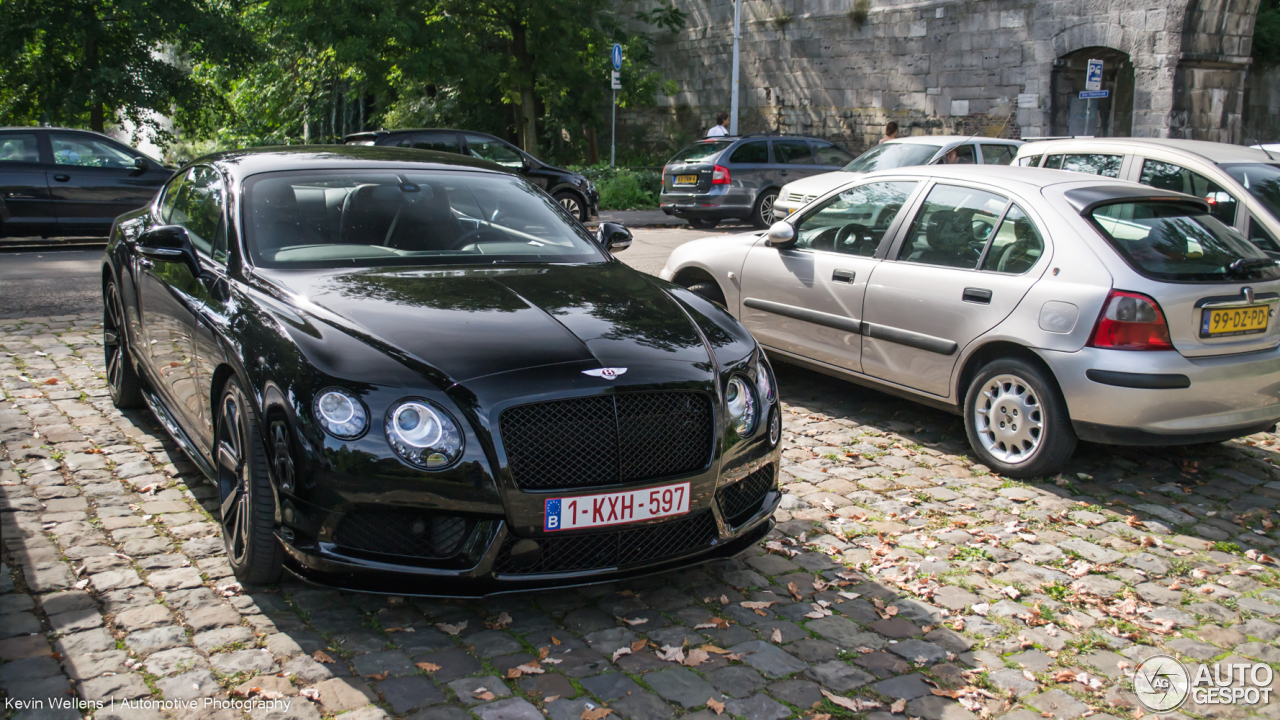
{"points": [[903, 581]]}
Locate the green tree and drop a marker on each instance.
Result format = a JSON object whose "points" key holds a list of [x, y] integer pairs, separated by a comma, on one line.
{"points": [[92, 62], [1266, 34]]}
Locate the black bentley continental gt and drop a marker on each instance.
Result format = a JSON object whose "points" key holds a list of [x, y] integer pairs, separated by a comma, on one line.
{"points": [[418, 374]]}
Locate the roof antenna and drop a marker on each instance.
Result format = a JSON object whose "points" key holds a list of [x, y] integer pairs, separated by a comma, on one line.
{"points": [[1263, 148]]}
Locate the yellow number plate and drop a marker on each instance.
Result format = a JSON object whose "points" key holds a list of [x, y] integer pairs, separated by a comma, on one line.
{"points": [[686, 179], [1225, 322]]}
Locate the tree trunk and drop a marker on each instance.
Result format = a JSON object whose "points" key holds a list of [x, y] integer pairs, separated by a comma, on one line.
{"points": [[593, 150], [97, 113], [528, 127], [97, 117]]}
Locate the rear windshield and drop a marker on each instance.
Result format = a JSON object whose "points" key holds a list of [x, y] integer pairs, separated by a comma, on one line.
{"points": [[700, 151], [368, 218], [1179, 243], [1262, 181], [888, 156]]}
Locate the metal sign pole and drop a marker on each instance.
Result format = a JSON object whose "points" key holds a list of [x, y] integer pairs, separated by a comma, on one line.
{"points": [[733, 102], [613, 128]]}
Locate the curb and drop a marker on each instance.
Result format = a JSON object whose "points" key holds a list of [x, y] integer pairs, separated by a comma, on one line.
{"points": [[27, 244]]}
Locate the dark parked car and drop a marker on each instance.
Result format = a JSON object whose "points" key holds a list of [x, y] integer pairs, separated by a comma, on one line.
{"points": [[56, 181], [413, 372], [572, 190], [739, 177]]}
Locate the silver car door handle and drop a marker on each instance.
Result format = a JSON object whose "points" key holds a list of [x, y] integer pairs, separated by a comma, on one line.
{"points": [[843, 276], [981, 296]]}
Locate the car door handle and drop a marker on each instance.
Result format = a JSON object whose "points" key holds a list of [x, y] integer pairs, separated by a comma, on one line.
{"points": [[62, 178], [981, 296], [843, 276]]}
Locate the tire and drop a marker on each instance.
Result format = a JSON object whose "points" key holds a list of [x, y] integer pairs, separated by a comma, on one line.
{"points": [[245, 494], [1009, 442], [700, 224], [708, 290], [762, 213], [573, 204], [122, 377]]}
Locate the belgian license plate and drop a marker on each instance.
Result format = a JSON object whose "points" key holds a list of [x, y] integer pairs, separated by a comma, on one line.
{"points": [[686, 179], [1225, 322], [616, 508]]}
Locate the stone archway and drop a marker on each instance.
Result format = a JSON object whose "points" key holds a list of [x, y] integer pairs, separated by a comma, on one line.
{"points": [[1107, 117]]}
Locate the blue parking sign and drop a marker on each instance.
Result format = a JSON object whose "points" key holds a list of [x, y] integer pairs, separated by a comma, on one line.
{"points": [[616, 56], [1093, 76]]}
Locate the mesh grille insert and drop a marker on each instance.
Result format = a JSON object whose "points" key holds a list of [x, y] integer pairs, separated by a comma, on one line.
{"points": [[618, 548], [739, 501], [407, 533], [607, 439]]}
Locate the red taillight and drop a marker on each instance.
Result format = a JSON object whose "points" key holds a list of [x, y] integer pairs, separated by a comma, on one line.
{"points": [[719, 175], [1131, 321]]}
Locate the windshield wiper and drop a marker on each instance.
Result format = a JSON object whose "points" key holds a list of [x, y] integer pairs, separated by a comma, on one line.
{"points": [[1244, 266]]}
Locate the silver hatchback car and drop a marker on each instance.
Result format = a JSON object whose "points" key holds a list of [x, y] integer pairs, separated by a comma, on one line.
{"points": [[1043, 306]]}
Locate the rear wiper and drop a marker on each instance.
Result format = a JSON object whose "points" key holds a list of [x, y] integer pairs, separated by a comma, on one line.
{"points": [[1245, 266]]}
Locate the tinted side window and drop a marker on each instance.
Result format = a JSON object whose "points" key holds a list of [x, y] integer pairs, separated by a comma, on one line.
{"points": [[997, 154], [959, 155], [1104, 165], [440, 142], [828, 154], [19, 147], [792, 152], [1030, 161], [756, 151], [1168, 176], [1016, 246], [199, 209], [86, 151], [171, 193], [952, 227], [855, 221], [1259, 236], [494, 150]]}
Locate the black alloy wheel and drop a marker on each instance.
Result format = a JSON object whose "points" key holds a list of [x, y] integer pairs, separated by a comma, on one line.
{"points": [[122, 379], [571, 202], [762, 216], [244, 487]]}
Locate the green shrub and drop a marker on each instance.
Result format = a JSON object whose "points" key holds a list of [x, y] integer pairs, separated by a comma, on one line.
{"points": [[623, 188]]}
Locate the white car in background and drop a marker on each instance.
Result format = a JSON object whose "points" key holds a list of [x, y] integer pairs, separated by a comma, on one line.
{"points": [[1241, 184], [898, 153]]}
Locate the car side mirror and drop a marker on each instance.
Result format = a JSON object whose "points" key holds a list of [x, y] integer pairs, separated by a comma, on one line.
{"points": [[781, 234], [169, 243], [141, 163], [614, 236]]}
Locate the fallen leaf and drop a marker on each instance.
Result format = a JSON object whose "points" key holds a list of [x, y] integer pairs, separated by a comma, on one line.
{"points": [[513, 673], [51, 381], [310, 694], [636, 621], [455, 629], [716, 650], [378, 676], [757, 604], [543, 652], [898, 705], [776, 637], [595, 713], [671, 654], [482, 693], [532, 668], [715, 705], [795, 591], [715, 622], [620, 652], [695, 658], [854, 704], [555, 640], [322, 656], [550, 698], [638, 645], [427, 667], [503, 621]]}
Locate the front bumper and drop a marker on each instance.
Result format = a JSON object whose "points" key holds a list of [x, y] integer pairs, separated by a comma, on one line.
{"points": [[1164, 398]]}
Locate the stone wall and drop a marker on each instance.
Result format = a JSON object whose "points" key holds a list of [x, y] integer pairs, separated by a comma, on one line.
{"points": [[841, 69], [1262, 106]]}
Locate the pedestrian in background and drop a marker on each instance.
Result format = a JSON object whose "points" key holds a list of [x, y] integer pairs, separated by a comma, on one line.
{"points": [[721, 127], [890, 132]]}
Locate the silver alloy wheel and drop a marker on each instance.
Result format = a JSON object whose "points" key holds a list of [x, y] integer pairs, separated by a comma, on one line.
{"points": [[233, 477], [766, 208], [1009, 419], [570, 203]]}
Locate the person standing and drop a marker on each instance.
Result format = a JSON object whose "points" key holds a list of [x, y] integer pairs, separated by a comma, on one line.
{"points": [[890, 132], [721, 128]]}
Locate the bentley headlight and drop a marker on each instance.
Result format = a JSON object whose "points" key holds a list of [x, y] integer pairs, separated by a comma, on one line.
{"points": [[764, 383], [341, 414], [423, 434], [741, 405]]}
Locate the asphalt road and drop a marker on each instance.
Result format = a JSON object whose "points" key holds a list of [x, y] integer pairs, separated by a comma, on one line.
{"points": [[50, 283], [65, 282]]}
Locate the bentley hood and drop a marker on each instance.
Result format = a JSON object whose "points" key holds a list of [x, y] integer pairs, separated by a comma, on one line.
{"points": [[472, 322]]}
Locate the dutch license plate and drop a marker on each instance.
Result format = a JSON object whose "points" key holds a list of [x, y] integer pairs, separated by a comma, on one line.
{"points": [[686, 179], [1225, 322], [616, 508]]}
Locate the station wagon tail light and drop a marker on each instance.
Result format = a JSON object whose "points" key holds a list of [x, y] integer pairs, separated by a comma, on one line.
{"points": [[720, 175], [1131, 321]]}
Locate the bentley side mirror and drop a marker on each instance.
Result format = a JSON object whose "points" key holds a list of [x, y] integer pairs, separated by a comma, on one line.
{"points": [[141, 163], [614, 236], [169, 243], [781, 234]]}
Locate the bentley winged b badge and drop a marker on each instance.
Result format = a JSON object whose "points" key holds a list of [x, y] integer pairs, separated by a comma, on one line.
{"points": [[606, 373]]}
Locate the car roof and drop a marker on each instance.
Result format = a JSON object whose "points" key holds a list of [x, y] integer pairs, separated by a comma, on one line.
{"points": [[1212, 151], [1004, 175], [241, 164], [949, 139], [382, 133]]}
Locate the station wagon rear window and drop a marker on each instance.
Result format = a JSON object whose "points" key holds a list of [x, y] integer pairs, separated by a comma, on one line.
{"points": [[1180, 243], [700, 151]]}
